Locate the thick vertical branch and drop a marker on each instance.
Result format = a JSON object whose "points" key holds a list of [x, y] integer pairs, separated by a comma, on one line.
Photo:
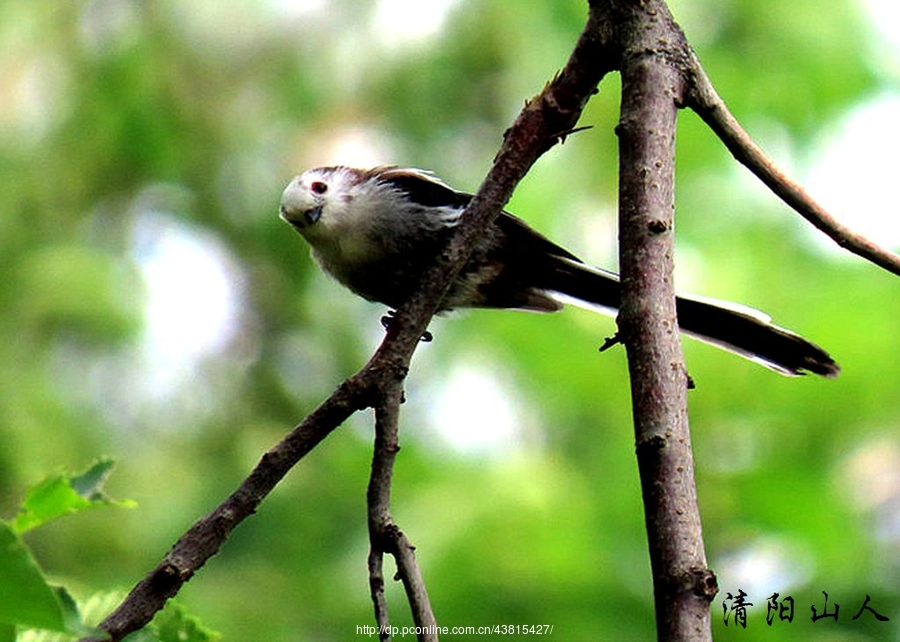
{"points": [[651, 92]]}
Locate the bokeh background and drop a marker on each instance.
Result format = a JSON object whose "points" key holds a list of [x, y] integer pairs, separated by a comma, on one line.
{"points": [[154, 309]]}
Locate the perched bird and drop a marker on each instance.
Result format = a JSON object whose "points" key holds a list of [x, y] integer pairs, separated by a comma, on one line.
{"points": [[376, 230]]}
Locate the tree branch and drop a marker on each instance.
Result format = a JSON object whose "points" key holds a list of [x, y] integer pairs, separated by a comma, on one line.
{"points": [[206, 536], [701, 96], [384, 535], [654, 51], [378, 498]]}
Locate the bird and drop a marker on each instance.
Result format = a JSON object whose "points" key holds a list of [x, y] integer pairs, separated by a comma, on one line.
{"points": [[376, 230]]}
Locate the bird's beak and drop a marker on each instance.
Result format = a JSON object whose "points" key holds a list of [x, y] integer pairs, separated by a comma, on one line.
{"points": [[313, 215], [304, 220]]}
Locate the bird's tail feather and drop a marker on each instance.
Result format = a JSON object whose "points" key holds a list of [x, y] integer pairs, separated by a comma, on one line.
{"points": [[739, 329]]}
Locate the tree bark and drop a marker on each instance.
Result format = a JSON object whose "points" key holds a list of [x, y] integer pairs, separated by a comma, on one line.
{"points": [[652, 87]]}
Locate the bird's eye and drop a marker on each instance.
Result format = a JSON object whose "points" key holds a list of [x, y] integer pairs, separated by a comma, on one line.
{"points": [[318, 187]]}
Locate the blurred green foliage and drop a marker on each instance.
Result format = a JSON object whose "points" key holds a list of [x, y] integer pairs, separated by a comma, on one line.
{"points": [[35, 609], [157, 311]]}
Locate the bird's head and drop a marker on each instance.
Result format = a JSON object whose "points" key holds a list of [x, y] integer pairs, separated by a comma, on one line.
{"points": [[314, 193]]}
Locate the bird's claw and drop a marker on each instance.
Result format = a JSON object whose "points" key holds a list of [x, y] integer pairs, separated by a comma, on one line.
{"points": [[388, 320]]}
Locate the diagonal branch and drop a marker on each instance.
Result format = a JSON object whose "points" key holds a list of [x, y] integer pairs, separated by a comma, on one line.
{"points": [[702, 98], [206, 536], [541, 124]]}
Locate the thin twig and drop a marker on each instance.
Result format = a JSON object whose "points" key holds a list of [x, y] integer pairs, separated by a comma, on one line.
{"points": [[378, 497], [376, 588], [701, 96], [384, 535]]}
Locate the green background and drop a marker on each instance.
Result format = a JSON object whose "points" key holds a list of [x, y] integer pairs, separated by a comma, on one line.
{"points": [[132, 131]]}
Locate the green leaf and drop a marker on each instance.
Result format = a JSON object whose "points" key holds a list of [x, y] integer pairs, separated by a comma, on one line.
{"points": [[89, 484], [47, 500], [64, 495], [26, 599], [70, 612], [174, 624]]}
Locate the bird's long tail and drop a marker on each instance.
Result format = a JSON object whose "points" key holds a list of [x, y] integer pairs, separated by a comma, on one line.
{"points": [[743, 331]]}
